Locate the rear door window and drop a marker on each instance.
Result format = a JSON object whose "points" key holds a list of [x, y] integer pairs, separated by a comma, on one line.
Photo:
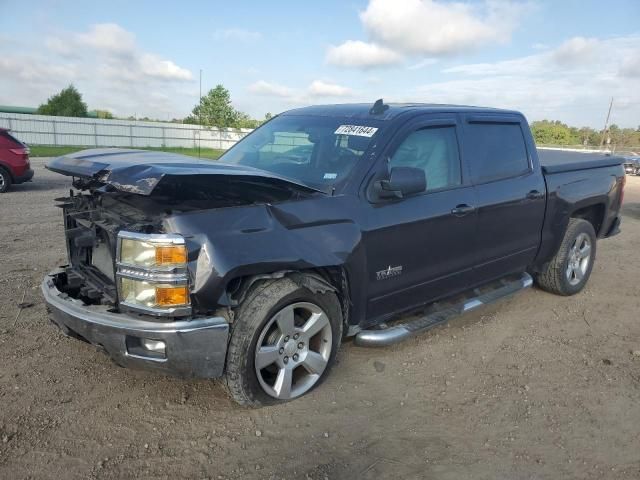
{"points": [[496, 151]]}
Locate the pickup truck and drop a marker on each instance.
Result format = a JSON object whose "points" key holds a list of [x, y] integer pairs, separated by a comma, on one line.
{"points": [[324, 223]]}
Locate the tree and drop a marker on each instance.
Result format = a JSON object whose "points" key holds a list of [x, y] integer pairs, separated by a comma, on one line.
{"points": [[215, 110], [550, 132], [67, 103]]}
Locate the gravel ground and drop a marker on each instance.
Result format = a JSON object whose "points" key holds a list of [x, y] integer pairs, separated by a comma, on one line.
{"points": [[537, 386]]}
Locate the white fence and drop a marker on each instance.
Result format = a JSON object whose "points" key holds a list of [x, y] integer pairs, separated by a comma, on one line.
{"points": [[95, 132]]}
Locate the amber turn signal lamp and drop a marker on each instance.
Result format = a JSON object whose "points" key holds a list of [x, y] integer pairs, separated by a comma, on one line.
{"points": [[171, 255], [172, 296]]}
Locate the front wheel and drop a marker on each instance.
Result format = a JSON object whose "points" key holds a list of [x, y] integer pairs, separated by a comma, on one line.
{"points": [[284, 340], [567, 273]]}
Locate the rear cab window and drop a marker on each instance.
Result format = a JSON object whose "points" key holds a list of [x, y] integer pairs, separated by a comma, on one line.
{"points": [[496, 150]]}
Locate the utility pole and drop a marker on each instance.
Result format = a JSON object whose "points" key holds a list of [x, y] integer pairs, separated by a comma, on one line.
{"points": [[606, 124], [200, 115]]}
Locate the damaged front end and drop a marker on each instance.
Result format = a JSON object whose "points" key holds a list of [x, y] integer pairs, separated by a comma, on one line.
{"points": [[130, 286], [117, 260], [121, 252]]}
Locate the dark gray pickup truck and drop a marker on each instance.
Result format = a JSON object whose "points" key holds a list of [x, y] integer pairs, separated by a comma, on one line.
{"points": [[326, 222]]}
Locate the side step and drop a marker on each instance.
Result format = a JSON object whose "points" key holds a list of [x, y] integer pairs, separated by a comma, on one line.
{"points": [[402, 331]]}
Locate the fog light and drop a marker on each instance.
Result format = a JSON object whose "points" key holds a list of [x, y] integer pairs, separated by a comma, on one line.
{"points": [[155, 346]]}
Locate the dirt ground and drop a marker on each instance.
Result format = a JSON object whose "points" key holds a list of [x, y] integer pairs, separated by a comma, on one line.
{"points": [[535, 387]]}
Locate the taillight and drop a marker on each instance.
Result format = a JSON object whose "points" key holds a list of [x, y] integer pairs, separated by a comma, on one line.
{"points": [[19, 151]]}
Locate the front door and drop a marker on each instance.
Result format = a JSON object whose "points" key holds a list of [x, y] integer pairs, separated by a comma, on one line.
{"points": [[421, 247]]}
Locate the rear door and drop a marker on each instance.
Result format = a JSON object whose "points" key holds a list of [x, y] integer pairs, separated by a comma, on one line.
{"points": [[421, 247], [510, 192]]}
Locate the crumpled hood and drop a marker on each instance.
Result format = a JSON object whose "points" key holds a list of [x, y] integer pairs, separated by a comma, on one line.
{"points": [[140, 171]]}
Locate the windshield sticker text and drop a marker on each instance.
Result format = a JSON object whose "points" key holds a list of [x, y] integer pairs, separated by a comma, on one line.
{"points": [[358, 130]]}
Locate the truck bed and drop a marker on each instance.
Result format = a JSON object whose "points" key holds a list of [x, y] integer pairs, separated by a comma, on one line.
{"points": [[557, 161]]}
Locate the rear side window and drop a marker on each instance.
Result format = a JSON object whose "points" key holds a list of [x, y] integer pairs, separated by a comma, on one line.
{"points": [[9, 141], [496, 151]]}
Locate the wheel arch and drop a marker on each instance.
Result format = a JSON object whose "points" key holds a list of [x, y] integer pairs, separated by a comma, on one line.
{"points": [[8, 169], [593, 213], [318, 280]]}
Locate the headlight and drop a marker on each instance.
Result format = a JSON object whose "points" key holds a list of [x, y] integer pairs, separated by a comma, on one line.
{"points": [[152, 253], [152, 273], [153, 295]]}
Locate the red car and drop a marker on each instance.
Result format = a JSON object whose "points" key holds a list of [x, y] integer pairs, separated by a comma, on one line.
{"points": [[14, 161]]}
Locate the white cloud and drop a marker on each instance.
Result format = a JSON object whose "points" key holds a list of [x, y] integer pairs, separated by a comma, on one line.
{"points": [[155, 67], [577, 50], [423, 63], [399, 28], [109, 37], [237, 34], [631, 66], [436, 28], [319, 88], [572, 82], [358, 54], [32, 69], [116, 53], [269, 89], [104, 62], [575, 53]]}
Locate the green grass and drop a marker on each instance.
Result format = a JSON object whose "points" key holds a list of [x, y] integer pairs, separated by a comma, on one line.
{"points": [[53, 151]]}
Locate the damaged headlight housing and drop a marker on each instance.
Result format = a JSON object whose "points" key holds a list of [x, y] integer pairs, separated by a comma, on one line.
{"points": [[152, 273]]}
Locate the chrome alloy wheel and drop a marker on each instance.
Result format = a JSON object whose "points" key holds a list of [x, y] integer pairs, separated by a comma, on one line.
{"points": [[293, 350], [3, 181], [579, 259]]}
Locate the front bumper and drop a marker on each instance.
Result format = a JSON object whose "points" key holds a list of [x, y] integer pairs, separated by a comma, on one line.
{"points": [[194, 348]]}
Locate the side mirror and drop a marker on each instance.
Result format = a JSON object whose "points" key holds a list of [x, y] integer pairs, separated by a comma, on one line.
{"points": [[403, 181]]}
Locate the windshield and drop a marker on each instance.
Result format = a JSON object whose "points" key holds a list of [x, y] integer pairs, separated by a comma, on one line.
{"points": [[316, 151]]}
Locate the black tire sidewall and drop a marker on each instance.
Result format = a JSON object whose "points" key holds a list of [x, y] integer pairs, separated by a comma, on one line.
{"points": [[261, 314], [7, 180], [581, 227]]}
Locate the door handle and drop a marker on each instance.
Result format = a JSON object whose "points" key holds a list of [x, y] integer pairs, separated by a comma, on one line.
{"points": [[462, 210], [534, 195]]}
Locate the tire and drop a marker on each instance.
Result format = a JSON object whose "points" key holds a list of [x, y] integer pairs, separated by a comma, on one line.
{"points": [[5, 180], [258, 332], [568, 272]]}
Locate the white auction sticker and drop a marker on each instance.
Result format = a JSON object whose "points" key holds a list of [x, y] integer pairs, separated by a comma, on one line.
{"points": [[359, 130]]}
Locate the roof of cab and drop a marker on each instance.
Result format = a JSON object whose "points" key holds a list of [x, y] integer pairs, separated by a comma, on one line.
{"points": [[362, 110]]}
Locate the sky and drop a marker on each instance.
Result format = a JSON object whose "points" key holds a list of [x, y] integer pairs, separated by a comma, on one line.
{"points": [[559, 60]]}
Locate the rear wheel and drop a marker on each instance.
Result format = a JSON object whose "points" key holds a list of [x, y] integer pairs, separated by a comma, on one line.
{"points": [[569, 271], [5, 180], [284, 340]]}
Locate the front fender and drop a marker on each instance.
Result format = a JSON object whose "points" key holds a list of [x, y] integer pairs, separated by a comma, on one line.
{"points": [[228, 243]]}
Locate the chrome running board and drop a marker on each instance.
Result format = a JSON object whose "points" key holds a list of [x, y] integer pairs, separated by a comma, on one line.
{"points": [[401, 331]]}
